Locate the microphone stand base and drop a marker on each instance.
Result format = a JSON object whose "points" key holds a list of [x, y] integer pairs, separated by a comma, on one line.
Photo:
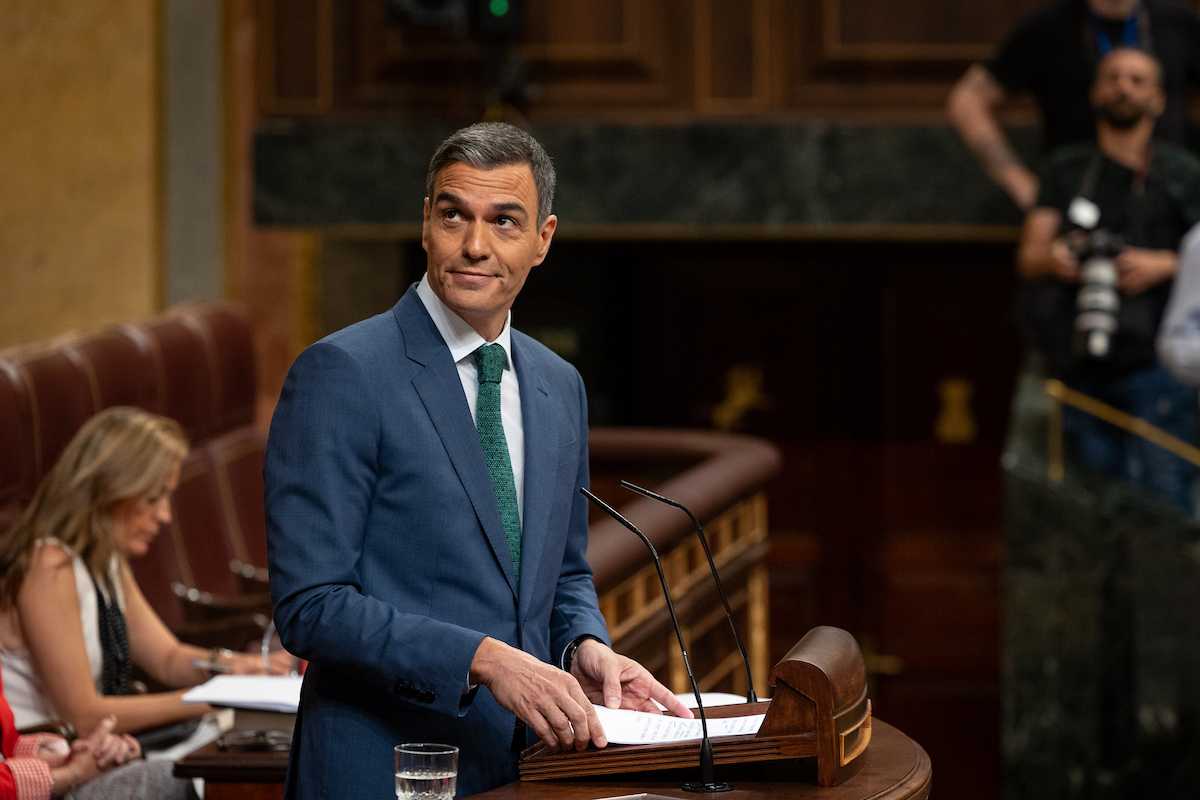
{"points": [[706, 788]]}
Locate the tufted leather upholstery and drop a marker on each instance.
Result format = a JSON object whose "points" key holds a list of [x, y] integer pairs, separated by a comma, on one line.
{"points": [[195, 364]]}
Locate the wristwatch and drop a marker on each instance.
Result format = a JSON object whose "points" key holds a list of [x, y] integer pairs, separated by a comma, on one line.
{"points": [[215, 657], [568, 656]]}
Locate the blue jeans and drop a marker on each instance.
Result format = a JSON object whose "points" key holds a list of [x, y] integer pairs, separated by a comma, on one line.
{"points": [[1153, 395]]}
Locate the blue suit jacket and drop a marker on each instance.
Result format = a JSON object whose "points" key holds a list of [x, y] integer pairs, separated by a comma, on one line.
{"points": [[387, 556]]}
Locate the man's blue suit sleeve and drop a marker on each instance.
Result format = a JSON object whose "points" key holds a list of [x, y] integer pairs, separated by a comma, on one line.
{"points": [[576, 608], [320, 474]]}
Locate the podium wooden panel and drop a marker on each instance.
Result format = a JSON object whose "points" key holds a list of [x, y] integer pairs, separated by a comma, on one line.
{"points": [[894, 768], [819, 712]]}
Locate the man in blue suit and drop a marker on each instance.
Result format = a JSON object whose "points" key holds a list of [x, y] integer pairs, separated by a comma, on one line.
{"points": [[427, 536]]}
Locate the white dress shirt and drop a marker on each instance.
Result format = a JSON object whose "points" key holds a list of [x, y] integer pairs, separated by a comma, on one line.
{"points": [[463, 341]]}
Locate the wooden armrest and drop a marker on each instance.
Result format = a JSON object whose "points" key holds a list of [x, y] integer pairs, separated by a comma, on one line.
{"points": [[55, 726], [234, 632], [201, 606], [253, 578]]}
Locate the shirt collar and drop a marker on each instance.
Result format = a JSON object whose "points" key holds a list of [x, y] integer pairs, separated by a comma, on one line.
{"points": [[461, 338]]}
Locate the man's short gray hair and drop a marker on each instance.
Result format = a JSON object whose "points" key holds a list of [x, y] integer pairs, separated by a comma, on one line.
{"points": [[487, 145]]}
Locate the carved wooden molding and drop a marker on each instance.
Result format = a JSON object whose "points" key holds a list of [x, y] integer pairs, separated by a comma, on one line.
{"points": [[761, 53], [269, 61], [631, 69], [836, 48]]}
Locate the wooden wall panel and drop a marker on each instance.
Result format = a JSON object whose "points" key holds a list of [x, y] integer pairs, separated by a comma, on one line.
{"points": [[930, 29], [579, 54], [677, 57], [295, 49], [734, 56], [875, 56]]}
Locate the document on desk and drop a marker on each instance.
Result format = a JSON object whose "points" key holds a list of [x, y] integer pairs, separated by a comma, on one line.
{"points": [[622, 726], [279, 693]]}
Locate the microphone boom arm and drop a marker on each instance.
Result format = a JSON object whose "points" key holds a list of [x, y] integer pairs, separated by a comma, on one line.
{"points": [[751, 697], [708, 781]]}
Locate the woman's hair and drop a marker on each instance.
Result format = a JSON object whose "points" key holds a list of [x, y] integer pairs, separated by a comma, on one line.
{"points": [[120, 454]]}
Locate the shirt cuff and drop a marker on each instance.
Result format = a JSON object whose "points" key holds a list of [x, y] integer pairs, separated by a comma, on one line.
{"points": [[32, 777], [27, 745]]}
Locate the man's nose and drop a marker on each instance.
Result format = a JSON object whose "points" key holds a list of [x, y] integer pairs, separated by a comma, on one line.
{"points": [[475, 243]]}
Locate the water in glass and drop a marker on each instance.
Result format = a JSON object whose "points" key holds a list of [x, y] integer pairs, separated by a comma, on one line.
{"points": [[426, 771], [425, 784]]}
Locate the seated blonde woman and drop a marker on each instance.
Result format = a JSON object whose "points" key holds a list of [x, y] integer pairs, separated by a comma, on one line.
{"points": [[73, 621]]}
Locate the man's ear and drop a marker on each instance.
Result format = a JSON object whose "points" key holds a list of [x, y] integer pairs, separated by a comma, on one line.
{"points": [[545, 236], [425, 225]]}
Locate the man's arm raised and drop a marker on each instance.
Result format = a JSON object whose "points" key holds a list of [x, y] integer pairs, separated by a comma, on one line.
{"points": [[971, 109]]}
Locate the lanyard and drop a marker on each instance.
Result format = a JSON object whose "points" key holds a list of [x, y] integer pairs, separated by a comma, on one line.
{"points": [[1135, 32], [1135, 205], [1129, 35]]}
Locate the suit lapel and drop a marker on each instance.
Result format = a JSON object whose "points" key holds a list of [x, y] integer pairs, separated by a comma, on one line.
{"points": [[441, 392], [541, 425]]}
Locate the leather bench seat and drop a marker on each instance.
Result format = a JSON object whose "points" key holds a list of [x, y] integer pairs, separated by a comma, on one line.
{"points": [[194, 363]]}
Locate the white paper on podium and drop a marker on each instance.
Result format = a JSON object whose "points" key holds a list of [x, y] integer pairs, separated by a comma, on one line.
{"points": [[259, 692], [711, 699], [622, 726]]}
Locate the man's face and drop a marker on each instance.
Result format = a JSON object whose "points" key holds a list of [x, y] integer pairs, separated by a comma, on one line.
{"points": [[1113, 9], [1127, 89], [481, 237]]}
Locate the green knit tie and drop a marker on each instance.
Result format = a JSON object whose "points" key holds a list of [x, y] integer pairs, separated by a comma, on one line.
{"points": [[490, 360]]}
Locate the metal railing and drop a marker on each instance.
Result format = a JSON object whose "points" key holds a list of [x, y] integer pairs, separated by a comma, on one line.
{"points": [[1062, 395]]}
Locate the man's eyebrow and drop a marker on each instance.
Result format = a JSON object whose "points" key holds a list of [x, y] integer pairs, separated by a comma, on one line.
{"points": [[512, 205], [498, 208]]}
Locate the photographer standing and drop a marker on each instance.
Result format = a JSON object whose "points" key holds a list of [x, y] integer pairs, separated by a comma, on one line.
{"points": [[1051, 55], [1147, 196]]}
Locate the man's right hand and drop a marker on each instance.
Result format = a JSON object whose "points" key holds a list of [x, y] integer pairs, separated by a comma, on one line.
{"points": [[547, 699], [1063, 263]]}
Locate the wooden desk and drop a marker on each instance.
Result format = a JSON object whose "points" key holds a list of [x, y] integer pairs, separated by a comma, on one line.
{"points": [[235, 776], [895, 768]]}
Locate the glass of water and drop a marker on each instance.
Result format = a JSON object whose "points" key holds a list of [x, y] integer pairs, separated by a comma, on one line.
{"points": [[426, 771]]}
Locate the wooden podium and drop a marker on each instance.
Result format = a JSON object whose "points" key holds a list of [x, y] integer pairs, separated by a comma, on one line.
{"points": [[818, 742], [819, 710], [893, 768]]}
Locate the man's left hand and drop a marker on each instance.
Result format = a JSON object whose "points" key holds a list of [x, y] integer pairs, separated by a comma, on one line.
{"points": [[1139, 269], [614, 681]]}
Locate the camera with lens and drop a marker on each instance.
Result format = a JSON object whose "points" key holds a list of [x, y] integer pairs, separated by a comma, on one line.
{"points": [[1098, 301]]}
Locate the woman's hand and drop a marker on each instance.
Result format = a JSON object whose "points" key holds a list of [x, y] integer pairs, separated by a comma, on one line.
{"points": [[87, 757], [54, 750], [279, 662], [107, 748]]}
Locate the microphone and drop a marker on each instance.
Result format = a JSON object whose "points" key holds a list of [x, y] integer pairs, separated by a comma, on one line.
{"points": [[751, 697], [708, 781]]}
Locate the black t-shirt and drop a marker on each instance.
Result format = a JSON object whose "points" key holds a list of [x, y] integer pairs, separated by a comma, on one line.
{"points": [[1153, 213], [1052, 55]]}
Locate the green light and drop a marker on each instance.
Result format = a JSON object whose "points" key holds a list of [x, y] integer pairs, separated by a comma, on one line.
{"points": [[498, 7]]}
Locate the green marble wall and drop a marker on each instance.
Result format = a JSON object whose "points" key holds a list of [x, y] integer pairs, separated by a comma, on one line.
{"points": [[1101, 670], [810, 173]]}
